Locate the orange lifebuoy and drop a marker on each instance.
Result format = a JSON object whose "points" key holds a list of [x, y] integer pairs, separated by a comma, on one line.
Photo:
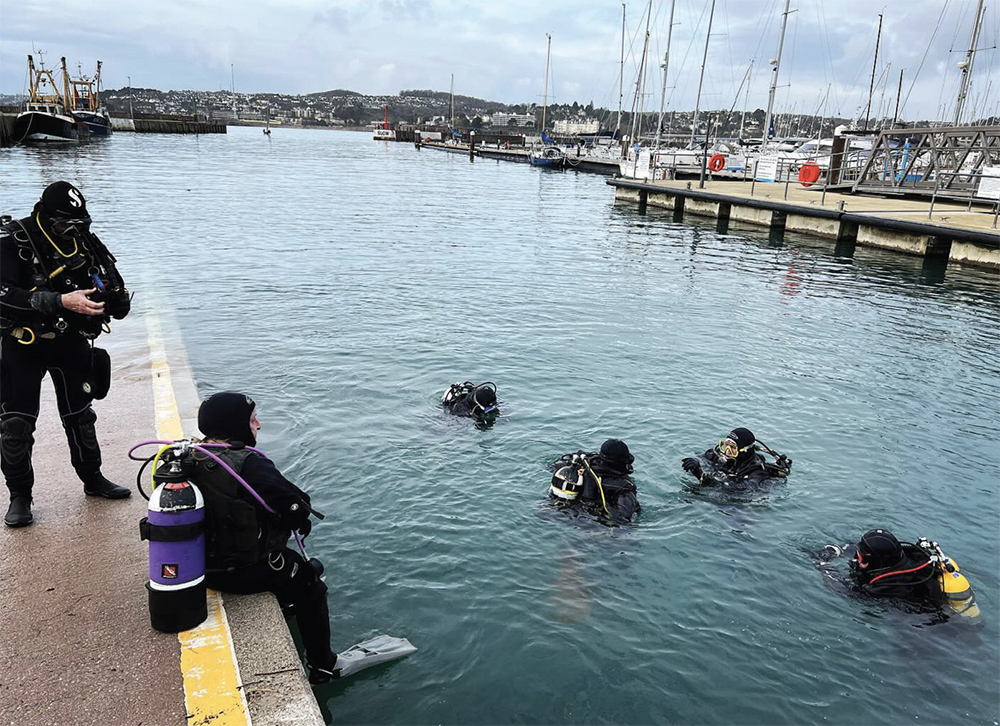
{"points": [[809, 174], [717, 162]]}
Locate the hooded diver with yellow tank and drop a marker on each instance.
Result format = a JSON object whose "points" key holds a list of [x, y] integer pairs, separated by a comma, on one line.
{"points": [[882, 566]]}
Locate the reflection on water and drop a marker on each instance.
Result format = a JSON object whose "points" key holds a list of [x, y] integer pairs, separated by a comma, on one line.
{"points": [[346, 283]]}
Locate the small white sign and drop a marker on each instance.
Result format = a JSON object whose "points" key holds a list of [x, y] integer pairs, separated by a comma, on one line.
{"points": [[989, 183], [767, 168]]}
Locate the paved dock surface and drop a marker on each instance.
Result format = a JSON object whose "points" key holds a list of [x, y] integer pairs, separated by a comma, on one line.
{"points": [[75, 638], [945, 214]]}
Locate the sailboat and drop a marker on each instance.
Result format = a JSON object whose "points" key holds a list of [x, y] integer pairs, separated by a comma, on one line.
{"points": [[86, 103], [386, 133], [267, 121], [45, 116], [453, 143], [549, 155]]}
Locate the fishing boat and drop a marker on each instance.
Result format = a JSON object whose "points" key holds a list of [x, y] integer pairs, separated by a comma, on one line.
{"points": [[386, 133], [86, 106], [45, 116]]}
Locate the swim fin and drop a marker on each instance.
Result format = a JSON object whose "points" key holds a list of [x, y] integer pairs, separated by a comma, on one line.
{"points": [[380, 649]]}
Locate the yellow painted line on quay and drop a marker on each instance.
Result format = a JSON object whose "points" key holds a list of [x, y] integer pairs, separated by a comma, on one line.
{"points": [[212, 687]]}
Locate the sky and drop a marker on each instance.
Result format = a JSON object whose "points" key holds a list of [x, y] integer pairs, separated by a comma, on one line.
{"points": [[497, 50]]}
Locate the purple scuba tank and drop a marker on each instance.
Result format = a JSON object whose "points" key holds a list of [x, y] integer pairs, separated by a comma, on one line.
{"points": [[175, 528]]}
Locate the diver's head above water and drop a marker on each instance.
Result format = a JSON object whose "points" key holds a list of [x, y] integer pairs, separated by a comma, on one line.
{"points": [[738, 444], [616, 457], [877, 549], [484, 400], [478, 401], [229, 416]]}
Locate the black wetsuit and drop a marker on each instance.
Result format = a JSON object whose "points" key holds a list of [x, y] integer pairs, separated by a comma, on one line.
{"points": [[749, 471], [39, 336], [620, 495], [246, 546], [913, 578]]}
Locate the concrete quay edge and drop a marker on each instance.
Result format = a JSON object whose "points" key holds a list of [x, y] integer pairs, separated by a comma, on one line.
{"points": [[876, 221]]}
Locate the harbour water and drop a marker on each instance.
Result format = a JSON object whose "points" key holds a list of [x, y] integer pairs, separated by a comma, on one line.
{"points": [[345, 284]]}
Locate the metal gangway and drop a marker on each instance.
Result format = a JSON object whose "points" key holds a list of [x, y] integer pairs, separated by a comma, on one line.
{"points": [[947, 162]]}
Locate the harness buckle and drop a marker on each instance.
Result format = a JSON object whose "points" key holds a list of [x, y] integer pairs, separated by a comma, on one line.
{"points": [[23, 335]]}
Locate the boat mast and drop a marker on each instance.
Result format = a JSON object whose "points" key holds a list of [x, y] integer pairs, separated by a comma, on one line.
{"points": [[452, 93], [774, 75], [232, 80], [871, 89], [32, 76], [640, 85], [545, 95], [966, 65], [66, 96], [899, 93], [97, 88], [746, 99], [666, 63], [621, 78], [701, 78]]}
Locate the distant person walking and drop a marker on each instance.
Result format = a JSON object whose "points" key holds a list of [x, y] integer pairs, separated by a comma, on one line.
{"points": [[59, 288]]}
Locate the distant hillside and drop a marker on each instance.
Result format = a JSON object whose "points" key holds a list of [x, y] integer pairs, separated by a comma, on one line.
{"points": [[336, 93]]}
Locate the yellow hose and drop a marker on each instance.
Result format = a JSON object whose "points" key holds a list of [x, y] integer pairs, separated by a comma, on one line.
{"points": [[600, 487], [156, 462]]}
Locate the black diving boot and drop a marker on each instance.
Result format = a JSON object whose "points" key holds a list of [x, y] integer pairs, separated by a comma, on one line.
{"points": [[95, 485], [320, 675], [19, 511]]}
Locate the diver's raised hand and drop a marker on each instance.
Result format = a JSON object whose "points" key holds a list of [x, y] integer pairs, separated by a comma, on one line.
{"points": [[692, 465]]}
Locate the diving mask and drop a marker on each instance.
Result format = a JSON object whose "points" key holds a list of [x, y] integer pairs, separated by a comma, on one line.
{"points": [[730, 449], [70, 227]]}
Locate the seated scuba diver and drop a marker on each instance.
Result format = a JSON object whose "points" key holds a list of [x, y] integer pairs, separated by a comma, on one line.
{"points": [[600, 482], [881, 566], [246, 538], [737, 463], [472, 401]]}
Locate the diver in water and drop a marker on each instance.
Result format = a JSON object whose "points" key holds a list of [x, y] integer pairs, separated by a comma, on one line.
{"points": [[883, 567], [737, 463], [472, 401], [600, 482]]}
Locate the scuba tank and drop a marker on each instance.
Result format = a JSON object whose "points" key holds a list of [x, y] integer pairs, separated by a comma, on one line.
{"points": [[175, 529], [955, 587], [567, 482]]}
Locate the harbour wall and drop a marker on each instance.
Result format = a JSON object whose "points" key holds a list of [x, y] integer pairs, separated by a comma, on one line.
{"points": [[976, 242], [167, 124]]}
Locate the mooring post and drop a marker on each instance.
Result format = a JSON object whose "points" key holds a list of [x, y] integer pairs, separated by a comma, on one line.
{"points": [[643, 198], [678, 208]]}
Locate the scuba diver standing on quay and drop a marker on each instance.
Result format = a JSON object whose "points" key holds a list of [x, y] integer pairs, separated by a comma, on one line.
{"points": [[599, 481], [880, 566], [737, 463], [474, 401], [59, 289]]}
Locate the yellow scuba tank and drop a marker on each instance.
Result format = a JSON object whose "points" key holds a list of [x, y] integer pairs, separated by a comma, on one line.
{"points": [[954, 585]]}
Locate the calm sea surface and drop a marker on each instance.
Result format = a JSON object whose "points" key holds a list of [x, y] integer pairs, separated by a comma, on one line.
{"points": [[346, 283]]}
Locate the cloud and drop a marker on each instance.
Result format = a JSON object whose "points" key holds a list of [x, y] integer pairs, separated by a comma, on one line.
{"points": [[497, 50]]}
